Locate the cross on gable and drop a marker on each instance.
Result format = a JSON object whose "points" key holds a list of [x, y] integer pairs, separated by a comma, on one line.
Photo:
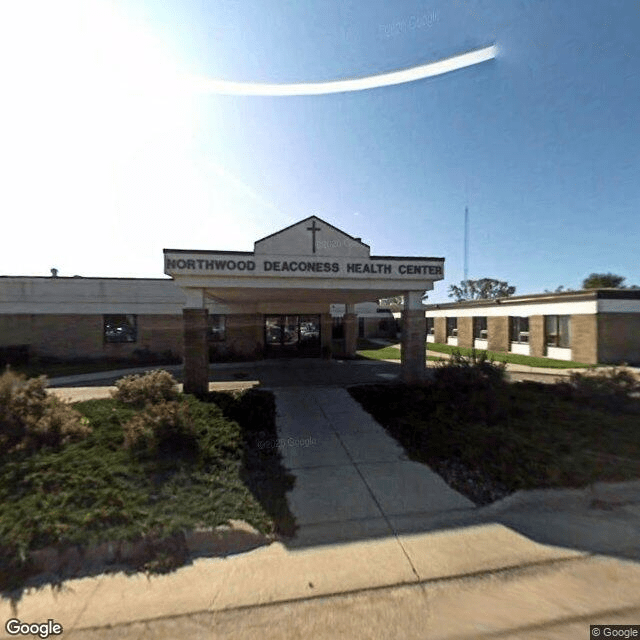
{"points": [[313, 230]]}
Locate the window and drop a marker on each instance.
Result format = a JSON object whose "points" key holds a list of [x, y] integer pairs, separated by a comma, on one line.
{"points": [[557, 331], [452, 327], [217, 327], [337, 329], [519, 329], [480, 327], [120, 328], [431, 326]]}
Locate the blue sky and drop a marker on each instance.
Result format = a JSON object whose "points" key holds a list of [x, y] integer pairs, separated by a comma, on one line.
{"points": [[108, 159]]}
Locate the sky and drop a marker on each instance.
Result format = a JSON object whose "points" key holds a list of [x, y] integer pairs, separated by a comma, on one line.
{"points": [[119, 135]]}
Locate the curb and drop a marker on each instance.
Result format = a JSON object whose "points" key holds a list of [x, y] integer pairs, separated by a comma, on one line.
{"points": [[71, 561]]}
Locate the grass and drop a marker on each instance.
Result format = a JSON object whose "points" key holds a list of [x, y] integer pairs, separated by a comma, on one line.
{"points": [[374, 351], [54, 369], [95, 491], [512, 435], [513, 358]]}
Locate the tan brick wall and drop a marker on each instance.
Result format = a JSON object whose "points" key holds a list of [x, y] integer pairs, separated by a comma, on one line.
{"points": [[465, 332], [244, 336], [498, 333], [584, 338], [619, 338], [440, 330], [372, 327], [81, 336], [536, 337], [160, 333]]}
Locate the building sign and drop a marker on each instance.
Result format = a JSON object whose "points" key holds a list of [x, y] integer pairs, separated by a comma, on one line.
{"points": [[310, 249], [235, 265]]}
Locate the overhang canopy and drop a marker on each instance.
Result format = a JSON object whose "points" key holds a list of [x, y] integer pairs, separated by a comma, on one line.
{"points": [[310, 262]]}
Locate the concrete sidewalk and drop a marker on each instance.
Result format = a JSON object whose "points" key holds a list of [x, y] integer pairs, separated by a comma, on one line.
{"points": [[385, 549]]}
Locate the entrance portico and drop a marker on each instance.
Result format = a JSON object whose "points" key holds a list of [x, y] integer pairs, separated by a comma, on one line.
{"points": [[280, 294]]}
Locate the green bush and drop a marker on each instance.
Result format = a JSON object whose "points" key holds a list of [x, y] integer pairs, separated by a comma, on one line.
{"points": [[31, 419], [165, 427], [618, 382], [185, 428], [470, 388], [151, 388]]}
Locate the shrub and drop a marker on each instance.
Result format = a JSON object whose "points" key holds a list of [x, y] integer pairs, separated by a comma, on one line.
{"points": [[166, 427], [617, 381], [151, 388], [462, 373], [470, 388], [31, 419]]}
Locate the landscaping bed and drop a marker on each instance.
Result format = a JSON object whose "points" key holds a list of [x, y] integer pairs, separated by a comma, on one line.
{"points": [[512, 358], [143, 468], [488, 438]]}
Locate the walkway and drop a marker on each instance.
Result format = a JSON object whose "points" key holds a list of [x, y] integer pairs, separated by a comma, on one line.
{"points": [[353, 481]]}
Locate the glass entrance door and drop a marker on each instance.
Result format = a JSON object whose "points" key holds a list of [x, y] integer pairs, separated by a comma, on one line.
{"points": [[292, 336]]}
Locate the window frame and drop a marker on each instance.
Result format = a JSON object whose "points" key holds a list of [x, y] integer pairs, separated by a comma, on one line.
{"points": [[480, 324], [562, 339], [518, 325], [452, 326], [431, 326]]}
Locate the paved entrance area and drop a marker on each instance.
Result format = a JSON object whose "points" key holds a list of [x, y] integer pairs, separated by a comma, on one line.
{"points": [[353, 481], [384, 549]]}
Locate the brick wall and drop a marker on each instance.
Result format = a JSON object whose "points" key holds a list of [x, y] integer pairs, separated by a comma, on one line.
{"points": [[498, 333], [244, 336], [619, 338], [372, 327], [465, 332], [537, 344], [584, 338], [440, 330], [81, 336]]}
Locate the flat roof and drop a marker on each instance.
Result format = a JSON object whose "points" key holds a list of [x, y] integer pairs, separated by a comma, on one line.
{"points": [[564, 296]]}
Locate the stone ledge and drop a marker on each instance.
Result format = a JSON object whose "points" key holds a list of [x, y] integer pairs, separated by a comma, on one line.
{"points": [[68, 561]]}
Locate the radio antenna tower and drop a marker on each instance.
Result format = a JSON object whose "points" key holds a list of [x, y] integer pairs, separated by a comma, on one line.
{"points": [[466, 243], [466, 228]]}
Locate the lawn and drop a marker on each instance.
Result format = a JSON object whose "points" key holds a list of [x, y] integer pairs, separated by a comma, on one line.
{"points": [[509, 436], [513, 358], [55, 369], [374, 351], [97, 490]]}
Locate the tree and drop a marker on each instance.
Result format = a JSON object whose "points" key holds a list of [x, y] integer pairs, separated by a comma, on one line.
{"points": [[560, 289], [603, 281], [395, 303], [483, 289]]}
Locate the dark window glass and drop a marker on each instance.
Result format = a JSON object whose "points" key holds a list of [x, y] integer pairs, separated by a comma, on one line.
{"points": [[431, 326], [452, 327], [558, 331], [120, 328], [217, 328], [519, 329], [480, 327]]}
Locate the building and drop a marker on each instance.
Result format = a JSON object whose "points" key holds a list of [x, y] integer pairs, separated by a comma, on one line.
{"points": [[591, 326], [298, 293]]}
